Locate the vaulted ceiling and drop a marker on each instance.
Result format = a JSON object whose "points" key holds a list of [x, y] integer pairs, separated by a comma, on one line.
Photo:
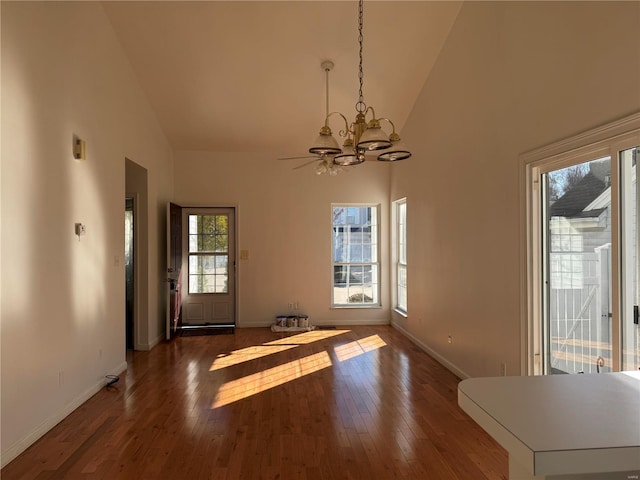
{"points": [[246, 76]]}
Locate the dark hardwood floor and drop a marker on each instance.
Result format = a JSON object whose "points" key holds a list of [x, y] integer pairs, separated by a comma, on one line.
{"points": [[351, 403]]}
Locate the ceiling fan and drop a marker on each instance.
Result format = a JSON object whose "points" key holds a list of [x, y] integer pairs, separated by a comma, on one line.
{"points": [[324, 161], [324, 164]]}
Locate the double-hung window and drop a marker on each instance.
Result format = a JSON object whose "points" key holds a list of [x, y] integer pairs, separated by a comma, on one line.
{"points": [[355, 256], [400, 254]]}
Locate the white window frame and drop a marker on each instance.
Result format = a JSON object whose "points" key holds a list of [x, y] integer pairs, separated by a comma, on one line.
{"points": [[377, 263], [607, 140], [397, 260]]}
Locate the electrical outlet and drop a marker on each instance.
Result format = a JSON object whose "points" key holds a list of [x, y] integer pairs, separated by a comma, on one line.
{"points": [[449, 339], [503, 369], [290, 305], [296, 306]]}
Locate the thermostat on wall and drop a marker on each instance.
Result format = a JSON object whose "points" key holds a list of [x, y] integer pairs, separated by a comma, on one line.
{"points": [[79, 152]]}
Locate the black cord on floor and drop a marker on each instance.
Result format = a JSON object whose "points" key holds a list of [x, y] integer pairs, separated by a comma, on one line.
{"points": [[112, 380]]}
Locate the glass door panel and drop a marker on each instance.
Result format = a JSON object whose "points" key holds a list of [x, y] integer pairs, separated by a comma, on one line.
{"points": [[629, 202], [577, 268]]}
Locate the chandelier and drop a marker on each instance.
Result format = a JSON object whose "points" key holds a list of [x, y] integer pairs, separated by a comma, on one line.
{"points": [[360, 136]]}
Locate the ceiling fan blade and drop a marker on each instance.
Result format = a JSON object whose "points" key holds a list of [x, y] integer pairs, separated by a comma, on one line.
{"points": [[306, 163], [299, 158]]}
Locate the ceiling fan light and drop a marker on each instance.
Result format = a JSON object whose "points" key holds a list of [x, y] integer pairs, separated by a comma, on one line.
{"points": [[321, 168], [374, 138]]}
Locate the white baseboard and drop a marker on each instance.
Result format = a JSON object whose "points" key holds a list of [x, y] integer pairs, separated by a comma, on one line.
{"points": [[264, 324], [21, 445], [145, 347], [156, 341], [443, 361]]}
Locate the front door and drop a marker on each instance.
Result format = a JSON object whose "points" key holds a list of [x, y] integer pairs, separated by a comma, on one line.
{"points": [[208, 267]]}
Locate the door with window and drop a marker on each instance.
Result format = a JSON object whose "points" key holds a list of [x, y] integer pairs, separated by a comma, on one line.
{"points": [[585, 252], [208, 267], [577, 268]]}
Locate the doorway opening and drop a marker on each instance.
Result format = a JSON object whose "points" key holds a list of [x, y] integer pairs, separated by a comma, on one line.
{"points": [[129, 253], [137, 253]]}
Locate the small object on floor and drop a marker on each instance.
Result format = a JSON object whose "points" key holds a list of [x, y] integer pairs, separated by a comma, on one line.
{"points": [[292, 323], [276, 328], [112, 379]]}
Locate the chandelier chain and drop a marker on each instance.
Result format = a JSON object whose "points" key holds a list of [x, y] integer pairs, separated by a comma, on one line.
{"points": [[360, 106]]}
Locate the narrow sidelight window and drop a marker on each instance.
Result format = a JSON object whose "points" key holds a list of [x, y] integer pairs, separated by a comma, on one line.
{"points": [[400, 254]]}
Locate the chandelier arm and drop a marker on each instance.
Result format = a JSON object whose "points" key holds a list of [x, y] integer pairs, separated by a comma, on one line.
{"points": [[373, 112], [342, 133], [393, 126]]}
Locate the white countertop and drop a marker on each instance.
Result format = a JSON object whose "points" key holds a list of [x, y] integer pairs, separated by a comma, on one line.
{"points": [[561, 424]]}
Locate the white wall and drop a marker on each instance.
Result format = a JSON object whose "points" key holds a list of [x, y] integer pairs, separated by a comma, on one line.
{"points": [[63, 326], [512, 76], [284, 221]]}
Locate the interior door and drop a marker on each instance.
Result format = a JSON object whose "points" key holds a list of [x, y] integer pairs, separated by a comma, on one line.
{"points": [[208, 265], [174, 269]]}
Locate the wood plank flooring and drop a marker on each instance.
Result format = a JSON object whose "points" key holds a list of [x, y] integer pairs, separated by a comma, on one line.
{"points": [[350, 403]]}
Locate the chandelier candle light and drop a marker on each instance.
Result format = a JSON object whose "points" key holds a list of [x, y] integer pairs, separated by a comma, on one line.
{"points": [[360, 136]]}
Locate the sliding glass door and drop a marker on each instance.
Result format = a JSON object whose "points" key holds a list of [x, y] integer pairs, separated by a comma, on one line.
{"points": [[577, 268], [630, 260], [584, 257]]}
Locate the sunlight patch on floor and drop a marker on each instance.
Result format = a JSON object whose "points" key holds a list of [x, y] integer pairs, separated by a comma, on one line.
{"points": [[307, 337], [270, 378], [225, 360], [353, 349], [273, 377], [269, 348]]}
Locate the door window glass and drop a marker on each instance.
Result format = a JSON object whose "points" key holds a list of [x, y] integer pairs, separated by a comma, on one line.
{"points": [[208, 253]]}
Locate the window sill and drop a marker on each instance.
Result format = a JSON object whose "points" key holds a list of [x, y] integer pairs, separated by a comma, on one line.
{"points": [[357, 307], [400, 312]]}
